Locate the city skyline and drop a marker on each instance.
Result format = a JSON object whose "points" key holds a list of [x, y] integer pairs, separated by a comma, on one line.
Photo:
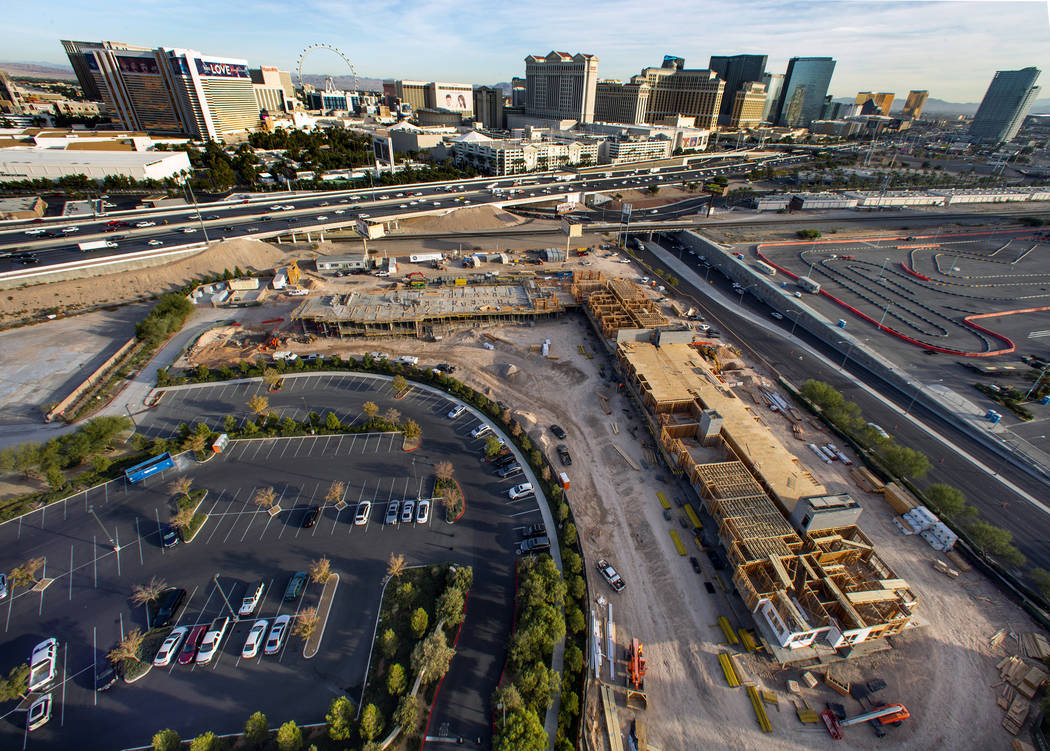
{"points": [[888, 46]]}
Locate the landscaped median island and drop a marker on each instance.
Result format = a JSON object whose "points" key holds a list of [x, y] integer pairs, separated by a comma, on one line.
{"points": [[187, 519]]}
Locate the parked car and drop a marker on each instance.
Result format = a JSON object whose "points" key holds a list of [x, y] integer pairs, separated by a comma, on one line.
{"points": [[277, 634], [256, 635], [563, 455], [42, 664], [456, 411], [170, 647], [252, 598], [534, 545], [106, 677], [480, 430], [422, 511], [312, 515], [193, 641], [39, 713], [364, 508], [169, 536], [295, 586], [168, 605], [510, 471], [391, 512], [533, 530], [212, 640], [408, 512], [520, 491], [502, 460], [558, 431], [695, 564]]}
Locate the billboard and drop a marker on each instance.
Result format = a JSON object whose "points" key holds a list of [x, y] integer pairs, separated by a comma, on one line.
{"points": [[454, 98], [129, 64], [221, 70], [625, 211], [369, 230], [383, 149]]}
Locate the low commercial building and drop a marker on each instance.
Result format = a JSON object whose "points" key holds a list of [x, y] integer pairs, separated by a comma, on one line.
{"points": [[621, 150], [26, 207], [350, 262], [32, 164]]}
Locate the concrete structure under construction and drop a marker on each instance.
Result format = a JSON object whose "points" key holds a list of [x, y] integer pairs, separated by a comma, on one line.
{"points": [[615, 305], [817, 589], [429, 312]]}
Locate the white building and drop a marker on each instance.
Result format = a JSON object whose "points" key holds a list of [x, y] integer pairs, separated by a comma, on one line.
{"points": [[513, 156], [31, 164], [622, 150]]}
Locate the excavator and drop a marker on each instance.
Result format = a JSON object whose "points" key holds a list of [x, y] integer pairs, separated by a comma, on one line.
{"points": [[891, 714]]}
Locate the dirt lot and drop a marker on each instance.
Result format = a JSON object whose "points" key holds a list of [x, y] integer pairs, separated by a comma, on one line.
{"points": [[941, 670]]}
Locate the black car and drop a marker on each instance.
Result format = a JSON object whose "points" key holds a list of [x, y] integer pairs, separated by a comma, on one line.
{"points": [[504, 460], [510, 471], [169, 603], [533, 530], [213, 216], [696, 564], [169, 537], [558, 431], [312, 515], [563, 454], [105, 677]]}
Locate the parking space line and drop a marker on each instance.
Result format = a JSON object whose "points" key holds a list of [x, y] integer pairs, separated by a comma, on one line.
{"points": [[271, 518], [65, 677], [288, 521], [252, 518], [232, 500], [71, 571], [215, 527], [137, 532], [523, 513], [116, 534], [94, 546]]}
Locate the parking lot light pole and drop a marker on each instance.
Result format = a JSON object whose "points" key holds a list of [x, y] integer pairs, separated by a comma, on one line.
{"points": [[223, 595], [91, 510]]}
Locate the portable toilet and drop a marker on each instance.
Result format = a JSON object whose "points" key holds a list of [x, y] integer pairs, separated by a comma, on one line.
{"points": [[220, 443], [564, 478]]}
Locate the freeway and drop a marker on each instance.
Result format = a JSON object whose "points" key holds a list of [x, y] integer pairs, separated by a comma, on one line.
{"points": [[958, 458], [54, 240]]}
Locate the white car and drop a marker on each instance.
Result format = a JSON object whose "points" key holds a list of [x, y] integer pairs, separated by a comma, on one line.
{"points": [[456, 412], [170, 647], [422, 511], [277, 633], [277, 207], [42, 664], [520, 491], [69, 230], [382, 273], [39, 713], [363, 216], [189, 230], [480, 430], [212, 639], [408, 509], [37, 231], [155, 242], [340, 211], [145, 224], [321, 218], [251, 599], [364, 508], [255, 638]]}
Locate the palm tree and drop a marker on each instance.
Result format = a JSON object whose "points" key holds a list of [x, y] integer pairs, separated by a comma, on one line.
{"points": [[335, 492], [396, 565], [128, 647], [144, 594], [25, 575], [392, 416], [265, 498]]}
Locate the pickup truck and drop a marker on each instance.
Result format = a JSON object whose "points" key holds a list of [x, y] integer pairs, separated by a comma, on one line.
{"points": [[610, 575]]}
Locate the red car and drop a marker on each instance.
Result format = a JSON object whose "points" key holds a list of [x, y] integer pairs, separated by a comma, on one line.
{"points": [[193, 642]]}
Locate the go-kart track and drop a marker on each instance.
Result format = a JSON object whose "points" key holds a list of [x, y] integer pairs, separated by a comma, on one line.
{"points": [[972, 294]]}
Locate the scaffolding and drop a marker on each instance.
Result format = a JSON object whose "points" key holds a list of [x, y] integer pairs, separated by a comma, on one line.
{"points": [[431, 312]]}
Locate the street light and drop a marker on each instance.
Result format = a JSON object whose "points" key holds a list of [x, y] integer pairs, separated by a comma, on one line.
{"points": [[848, 351]]}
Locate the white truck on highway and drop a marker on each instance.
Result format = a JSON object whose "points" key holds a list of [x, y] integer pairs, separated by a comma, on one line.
{"points": [[96, 245]]}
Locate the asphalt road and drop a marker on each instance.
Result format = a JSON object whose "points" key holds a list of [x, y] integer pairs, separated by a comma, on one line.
{"points": [[315, 210], [87, 605], [773, 342]]}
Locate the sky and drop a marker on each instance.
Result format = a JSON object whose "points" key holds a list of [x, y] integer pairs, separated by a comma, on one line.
{"points": [[950, 48]]}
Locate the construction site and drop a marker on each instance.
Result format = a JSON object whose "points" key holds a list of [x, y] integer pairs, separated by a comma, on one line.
{"points": [[430, 312]]}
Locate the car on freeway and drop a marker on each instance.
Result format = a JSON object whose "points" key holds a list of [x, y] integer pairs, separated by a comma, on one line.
{"points": [[277, 207], [312, 515], [456, 411], [609, 574], [403, 206], [364, 509], [251, 599], [193, 641], [70, 230], [212, 216], [534, 545], [168, 605], [212, 639], [391, 512], [480, 430], [321, 218], [295, 586], [42, 664], [37, 231], [170, 647], [558, 431], [155, 242], [363, 216], [408, 512], [383, 198], [39, 713], [169, 536], [189, 230], [277, 633], [563, 455], [256, 635], [340, 211], [520, 491], [325, 203], [106, 677], [145, 224], [422, 511], [511, 470]]}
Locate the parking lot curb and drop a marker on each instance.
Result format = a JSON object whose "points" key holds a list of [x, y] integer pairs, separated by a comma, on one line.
{"points": [[136, 679], [404, 443], [197, 531], [334, 582], [455, 641], [464, 497]]}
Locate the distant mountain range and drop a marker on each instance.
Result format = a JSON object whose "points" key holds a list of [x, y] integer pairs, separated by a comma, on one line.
{"points": [[936, 106], [38, 70]]}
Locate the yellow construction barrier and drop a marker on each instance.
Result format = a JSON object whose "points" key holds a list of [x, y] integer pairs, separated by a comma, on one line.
{"points": [[727, 630], [663, 499], [699, 545], [677, 542], [760, 710], [461, 282], [693, 518], [727, 668], [748, 640]]}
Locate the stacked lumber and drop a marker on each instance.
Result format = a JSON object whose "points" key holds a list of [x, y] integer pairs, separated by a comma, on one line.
{"points": [[899, 499], [1035, 646], [958, 560], [997, 639], [798, 430], [867, 480], [1019, 745], [1006, 697], [1027, 679], [1016, 715]]}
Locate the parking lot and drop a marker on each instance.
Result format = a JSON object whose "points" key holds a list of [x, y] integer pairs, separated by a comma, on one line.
{"points": [[87, 607]]}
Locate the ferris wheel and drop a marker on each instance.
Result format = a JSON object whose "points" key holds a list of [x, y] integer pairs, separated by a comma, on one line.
{"points": [[330, 48]]}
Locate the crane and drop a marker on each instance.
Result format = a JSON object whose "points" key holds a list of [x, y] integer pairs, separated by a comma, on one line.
{"points": [[887, 715]]}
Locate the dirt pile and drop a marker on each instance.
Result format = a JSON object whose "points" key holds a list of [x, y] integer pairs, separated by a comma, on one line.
{"points": [[473, 219]]}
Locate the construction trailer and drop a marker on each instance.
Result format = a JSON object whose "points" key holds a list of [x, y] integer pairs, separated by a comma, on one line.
{"points": [[818, 584]]}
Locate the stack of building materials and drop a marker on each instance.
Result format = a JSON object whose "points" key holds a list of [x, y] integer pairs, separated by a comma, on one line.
{"points": [[1027, 679], [1035, 646], [917, 520], [867, 480], [1016, 709], [899, 499], [939, 537], [553, 255]]}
